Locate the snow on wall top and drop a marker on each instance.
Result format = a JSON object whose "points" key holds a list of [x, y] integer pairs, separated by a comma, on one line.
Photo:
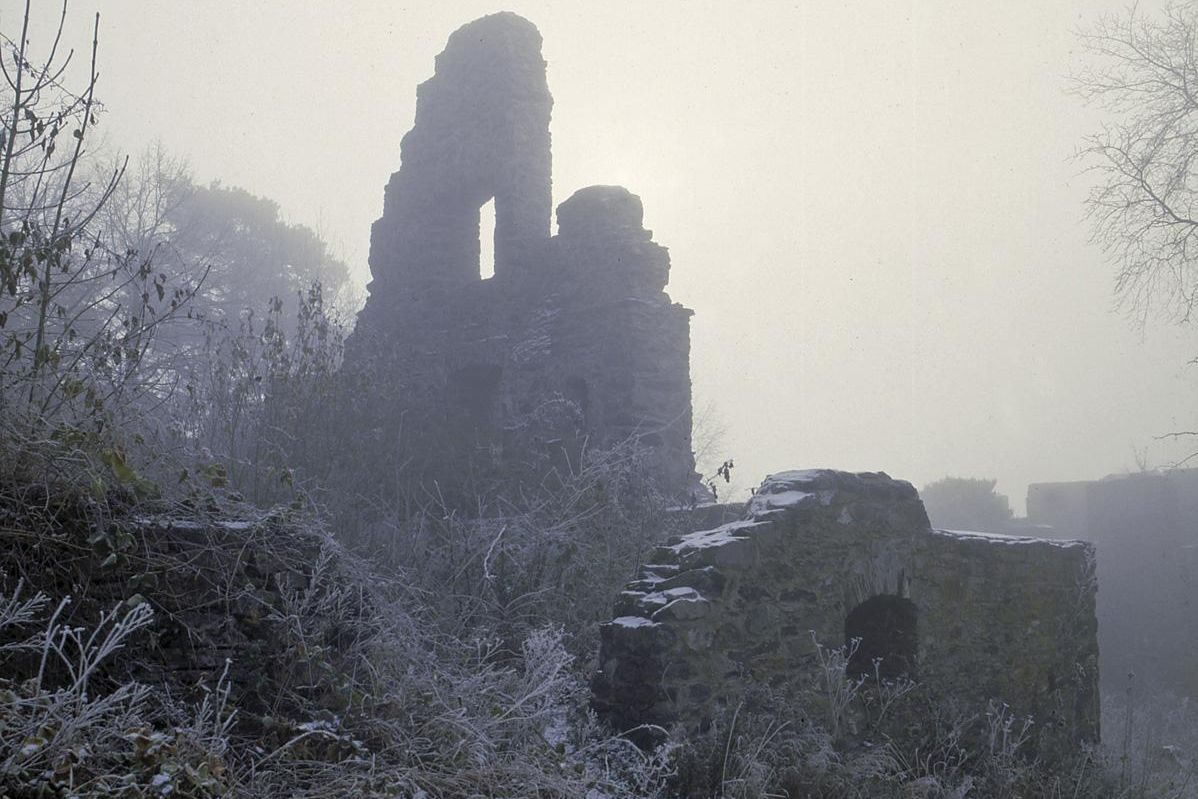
{"points": [[1010, 540], [786, 490], [704, 539]]}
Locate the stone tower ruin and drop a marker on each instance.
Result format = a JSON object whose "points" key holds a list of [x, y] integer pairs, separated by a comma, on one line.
{"points": [[573, 343]]}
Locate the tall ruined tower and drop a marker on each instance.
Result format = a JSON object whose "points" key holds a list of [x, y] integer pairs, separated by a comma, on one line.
{"points": [[481, 132], [572, 344]]}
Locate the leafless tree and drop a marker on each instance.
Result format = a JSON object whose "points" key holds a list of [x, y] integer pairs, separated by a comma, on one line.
{"points": [[1143, 72]]}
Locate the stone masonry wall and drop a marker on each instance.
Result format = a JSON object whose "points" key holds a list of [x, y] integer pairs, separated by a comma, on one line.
{"points": [[481, 132], [217, 588], [993, 617], [572, 343]]}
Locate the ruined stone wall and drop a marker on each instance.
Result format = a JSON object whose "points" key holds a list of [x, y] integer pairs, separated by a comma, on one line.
{"points": [[223, 590], [573, 343], [973, 617], [481, 132]]}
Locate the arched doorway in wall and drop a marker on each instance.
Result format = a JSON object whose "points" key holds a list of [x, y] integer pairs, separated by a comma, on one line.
{"points": [[887, 629]]}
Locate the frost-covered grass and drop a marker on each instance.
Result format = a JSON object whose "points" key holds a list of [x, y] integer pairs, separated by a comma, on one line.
{"points": [[464, 680], [65, 731], [370, 679], [398, 712], [1150, 745], [451, 662], [867, 737]]}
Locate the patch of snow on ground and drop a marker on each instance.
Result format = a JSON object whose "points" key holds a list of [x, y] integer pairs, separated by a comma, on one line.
{"points": [[1011, 540], [169, 523], [633, 621], [191, 525]]}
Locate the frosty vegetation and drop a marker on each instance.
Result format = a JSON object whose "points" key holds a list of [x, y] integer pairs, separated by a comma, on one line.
{"points": [[193, 603]]}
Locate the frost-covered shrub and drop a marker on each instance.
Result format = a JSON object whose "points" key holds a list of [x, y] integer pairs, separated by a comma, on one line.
{"points": [[67, 731], [901, 743], [558, 556], [345, 679]]}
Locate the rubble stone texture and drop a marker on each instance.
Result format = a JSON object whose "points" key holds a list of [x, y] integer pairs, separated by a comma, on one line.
{"points": [[218, 590], [827, 556], [573, 342]]}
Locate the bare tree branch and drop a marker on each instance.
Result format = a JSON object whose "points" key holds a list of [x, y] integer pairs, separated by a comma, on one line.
{"points": [[1143, 208]]}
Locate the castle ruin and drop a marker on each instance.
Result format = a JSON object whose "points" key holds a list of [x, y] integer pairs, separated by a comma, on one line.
{"points": [[572, 343]]}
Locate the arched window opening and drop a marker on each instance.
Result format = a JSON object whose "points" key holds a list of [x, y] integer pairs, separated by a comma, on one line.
{"points": [[486, 240], [886, 628]]}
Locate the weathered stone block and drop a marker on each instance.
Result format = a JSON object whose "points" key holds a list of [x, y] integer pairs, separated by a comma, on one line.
{"points": [[708, 580], [684, 609]]}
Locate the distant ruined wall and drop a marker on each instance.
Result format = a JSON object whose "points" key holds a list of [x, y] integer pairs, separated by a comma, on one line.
{"points": [[573, 343], [973, 617], [1145, 529]]}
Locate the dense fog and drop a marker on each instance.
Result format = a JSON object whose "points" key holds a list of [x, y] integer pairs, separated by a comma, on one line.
{"points": [[631, 401], [874, 210]]}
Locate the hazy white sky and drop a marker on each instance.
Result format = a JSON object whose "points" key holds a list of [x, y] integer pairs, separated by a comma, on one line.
{"points": [[870, 205]]}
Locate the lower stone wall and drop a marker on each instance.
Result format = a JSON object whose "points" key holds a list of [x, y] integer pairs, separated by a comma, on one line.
{"points": [[823, 556], [225, 593], [219, 597]]}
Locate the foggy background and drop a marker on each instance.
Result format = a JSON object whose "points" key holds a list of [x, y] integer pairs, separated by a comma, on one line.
{"points": [[871, 206]]}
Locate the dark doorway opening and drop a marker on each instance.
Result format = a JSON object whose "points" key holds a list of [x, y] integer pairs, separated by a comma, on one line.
{"points": [[886, 628]]}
